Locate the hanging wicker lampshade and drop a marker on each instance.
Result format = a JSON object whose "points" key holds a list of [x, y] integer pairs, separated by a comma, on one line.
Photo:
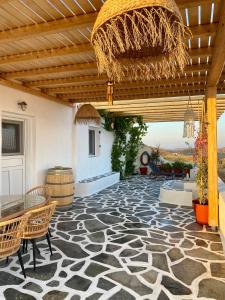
{"points": [[139, 39], [87, 113], [189, 121]]}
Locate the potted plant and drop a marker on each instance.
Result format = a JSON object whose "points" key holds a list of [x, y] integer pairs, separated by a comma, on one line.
{"points": [[201, 159]]}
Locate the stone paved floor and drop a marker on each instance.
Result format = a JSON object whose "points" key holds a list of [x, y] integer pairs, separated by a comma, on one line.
{"points": [[121, 244]]}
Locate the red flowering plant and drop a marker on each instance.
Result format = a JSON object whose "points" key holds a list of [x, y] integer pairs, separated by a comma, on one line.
{"points": [[201, 159]]}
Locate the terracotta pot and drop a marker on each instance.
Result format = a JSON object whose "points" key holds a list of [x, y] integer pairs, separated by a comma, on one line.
{"points": [[194, 202], [143, 170], [201, 212]]}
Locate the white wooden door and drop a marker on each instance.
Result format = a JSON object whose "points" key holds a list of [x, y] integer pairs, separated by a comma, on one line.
{"points": [[13, 164]]}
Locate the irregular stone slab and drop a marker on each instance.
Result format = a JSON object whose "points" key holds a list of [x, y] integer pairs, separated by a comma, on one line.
{"points": [[55, 295], [136, 225], [159, 261], [95, 296], [131, 282], [156, 248], [67, 226], [78, 239], [171, 228], [188, 270], [112, 248], [204, 254], [202, 243], [216, 247], [163, 296], [44, 273], [146, 213], [71, 250], [142, 257], [157, 241], [136, 269], [105, 284], [122, 295], [94, 225], [139, 232], [107, 259], [212, 288], [84, 217], [128, 253], [186, 244], [194, 227], [136, 244], [63, 274], [77, 266], [97, 237], [9, 279], [174, 286], [218, 269], [109, 219], [15, 294], [150, 276], [94, 247], [78, 283], [206, 236], [33, 287], [125, 239], [175, 254], [77, 232], [53, 283], [94, 269]]}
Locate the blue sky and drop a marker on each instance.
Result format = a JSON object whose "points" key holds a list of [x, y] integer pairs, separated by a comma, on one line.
{"points": [[170, 135]]}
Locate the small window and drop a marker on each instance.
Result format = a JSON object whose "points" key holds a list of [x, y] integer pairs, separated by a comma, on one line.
{"points": [[91, 142], [12, 137]]}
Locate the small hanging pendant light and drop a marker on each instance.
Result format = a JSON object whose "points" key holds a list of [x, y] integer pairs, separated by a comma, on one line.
{"points": [[189, 121], [110, 90], [87, 113], [140, 39]]}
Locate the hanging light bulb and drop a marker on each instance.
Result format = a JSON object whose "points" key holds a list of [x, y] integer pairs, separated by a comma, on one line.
{"points": [[189, 121], [110, 89]]}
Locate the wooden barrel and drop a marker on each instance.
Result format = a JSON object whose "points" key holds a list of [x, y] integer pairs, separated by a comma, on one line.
{"points": [[61, 185]]}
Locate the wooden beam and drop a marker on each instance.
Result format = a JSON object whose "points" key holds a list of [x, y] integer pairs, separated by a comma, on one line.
{"points": [[43, 54], [51, 27], [203, 30], [76, 49], [37, 93], [51, 70], [212, 157], [85, 80], [218, 57], [131, 85]]}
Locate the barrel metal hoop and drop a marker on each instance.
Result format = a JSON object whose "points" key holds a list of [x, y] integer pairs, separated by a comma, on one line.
{"points": [[60, 183], [59, 197]]}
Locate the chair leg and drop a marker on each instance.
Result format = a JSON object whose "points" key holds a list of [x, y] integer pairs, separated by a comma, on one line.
{"points": [[7, 260], [34, 254], [49, 232], [24, 246], [21, 262], [49, 243]]}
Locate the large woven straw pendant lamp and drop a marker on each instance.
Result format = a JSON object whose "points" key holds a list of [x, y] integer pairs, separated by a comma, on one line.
{"points": [[86, 114], [139, 39], [189, 121]]}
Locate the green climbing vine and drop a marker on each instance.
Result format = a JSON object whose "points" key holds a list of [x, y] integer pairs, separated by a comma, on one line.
{"points": [[128, 138]]}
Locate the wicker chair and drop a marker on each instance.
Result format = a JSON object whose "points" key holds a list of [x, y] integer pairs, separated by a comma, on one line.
{"points": [[41, 190], [37, 226], [11, 233]]}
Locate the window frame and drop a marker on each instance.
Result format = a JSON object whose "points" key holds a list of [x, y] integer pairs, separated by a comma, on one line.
{"points": [[91, 147], [21, 137]]}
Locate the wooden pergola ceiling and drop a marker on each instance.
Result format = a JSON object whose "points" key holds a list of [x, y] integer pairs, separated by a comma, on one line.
{"points": [[45, 50]]}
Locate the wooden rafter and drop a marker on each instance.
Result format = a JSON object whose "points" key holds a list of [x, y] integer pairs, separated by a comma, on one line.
{"points": [[218, 57], [60, 25]]}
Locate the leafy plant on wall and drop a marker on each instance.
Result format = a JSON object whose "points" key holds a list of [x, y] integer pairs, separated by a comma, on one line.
{"points": [[128, 136]]}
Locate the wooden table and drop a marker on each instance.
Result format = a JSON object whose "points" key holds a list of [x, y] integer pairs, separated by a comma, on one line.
{"points": [[14, 206]]}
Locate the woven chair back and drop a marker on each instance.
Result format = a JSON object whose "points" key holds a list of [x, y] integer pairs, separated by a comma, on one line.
{"points": [[11, 233], [38, 222], [41, 190]]}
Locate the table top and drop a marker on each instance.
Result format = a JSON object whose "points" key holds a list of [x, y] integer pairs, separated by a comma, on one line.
{"points": [[16, 205]]}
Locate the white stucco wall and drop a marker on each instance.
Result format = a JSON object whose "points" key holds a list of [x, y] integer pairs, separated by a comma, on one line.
{"points": [[51, 126], [85, 165]]}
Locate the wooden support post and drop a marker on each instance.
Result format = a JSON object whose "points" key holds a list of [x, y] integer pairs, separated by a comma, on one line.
{"points": [[212, 157]]}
